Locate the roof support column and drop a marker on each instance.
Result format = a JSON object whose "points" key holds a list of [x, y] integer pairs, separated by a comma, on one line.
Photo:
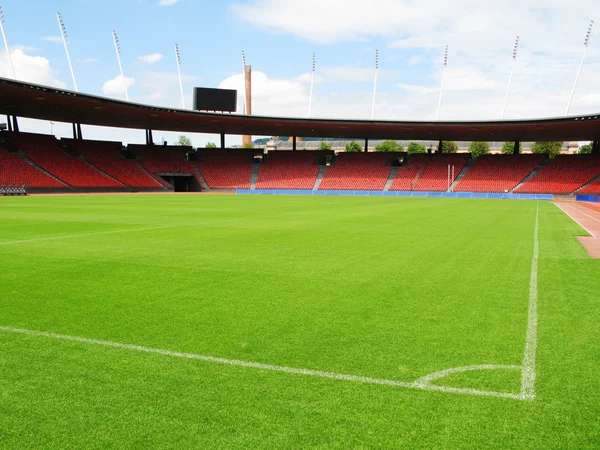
{"points": [[440, 147], [223, 141], [80, 137], [596, 147], [517, 148], [149, 138], [366, 145], [294, 144], [9, 122]]}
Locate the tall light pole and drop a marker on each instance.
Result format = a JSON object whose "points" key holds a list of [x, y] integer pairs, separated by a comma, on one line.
{"points": [[312, 83], [118, 51], [6, 43], [375, 84], [515, 50], [585, 43], [443, 79], [179, 73], [243, 75], [65, 38]]}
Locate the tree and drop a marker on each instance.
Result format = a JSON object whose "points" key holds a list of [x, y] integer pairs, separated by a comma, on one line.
{"points": [[479, 148], [547, 148], [449, 147], [415, 147], [325, 146], [585, 149], [211, 145], [248, 145], [184, 141], [354, 147], [389, 146], [509, 148]]}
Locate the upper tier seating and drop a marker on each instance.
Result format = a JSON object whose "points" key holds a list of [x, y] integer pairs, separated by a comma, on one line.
{"points": [[44, 151], [288, 170], [226, 169], [406, 178], [15, 171], [563, 175], [358, 171], [435, 175], [106, 157], [498, 173]]}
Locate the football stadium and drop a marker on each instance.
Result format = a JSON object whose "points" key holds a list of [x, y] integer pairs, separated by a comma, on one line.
{"points": [[306, 280]]}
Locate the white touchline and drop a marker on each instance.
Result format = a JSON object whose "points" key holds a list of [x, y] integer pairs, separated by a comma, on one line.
{"points": [[562, 207], [69, 236], [528, 371], [424, 386]]}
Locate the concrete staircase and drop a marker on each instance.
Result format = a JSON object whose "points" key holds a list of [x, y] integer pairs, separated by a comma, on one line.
{"points": [[320, 175], [532, 174], [82, 158], [462, 174], [391, 178], [255, 168], [586, 185], [200, 177], [24, 157]]}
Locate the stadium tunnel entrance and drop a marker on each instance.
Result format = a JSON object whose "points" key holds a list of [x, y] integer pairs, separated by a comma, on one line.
{"points": [[182, 182]]}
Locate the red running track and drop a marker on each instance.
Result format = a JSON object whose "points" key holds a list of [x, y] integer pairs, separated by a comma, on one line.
{"points": [[588, 216]]}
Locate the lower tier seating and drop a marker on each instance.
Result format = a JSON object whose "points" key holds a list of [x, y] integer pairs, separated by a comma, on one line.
{"points": [[563, 175], [498, 173], [357, 171], [288, 170], [226, 169], [592, 189], [14, 171], [406, 178], [435, 175]]}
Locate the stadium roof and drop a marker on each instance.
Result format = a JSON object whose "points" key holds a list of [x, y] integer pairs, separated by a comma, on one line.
{"points": [[47, 103]]}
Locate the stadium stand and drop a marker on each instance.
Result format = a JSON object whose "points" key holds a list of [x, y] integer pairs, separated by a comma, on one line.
{"points": [[409, 173], [563, 175], [288, 170], [435, 175], [358, 171], [226, 169], [15, 171], [43, 150], [498, 173], [106, 157], [591, 189]]}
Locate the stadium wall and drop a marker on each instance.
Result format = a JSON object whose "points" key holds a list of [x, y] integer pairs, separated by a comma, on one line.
{"points": [[588, 198]]}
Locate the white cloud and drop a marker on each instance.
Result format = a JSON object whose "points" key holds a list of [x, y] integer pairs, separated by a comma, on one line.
{"points": [[53, 39], [35, 69], [167, 2], [152, 58], [88, 60], [116, 86]]}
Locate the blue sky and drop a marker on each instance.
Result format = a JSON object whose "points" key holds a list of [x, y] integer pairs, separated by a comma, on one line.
{"points": [[279, 37]]}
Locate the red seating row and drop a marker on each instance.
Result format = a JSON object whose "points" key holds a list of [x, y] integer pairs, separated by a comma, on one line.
{"points": [[407, 176], [357, 171], [592, 189], [435, 175], [288, 170], [226, 169], [106, 157], [563, 175], [15, 171], [43, 150], [498, 173]]}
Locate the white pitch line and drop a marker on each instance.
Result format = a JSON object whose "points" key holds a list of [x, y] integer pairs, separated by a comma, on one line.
{"points": [[69, 236], [444, 373], [528, 370], [573, 218], [269, 367]]}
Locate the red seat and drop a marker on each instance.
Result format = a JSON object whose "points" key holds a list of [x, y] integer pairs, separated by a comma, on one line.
{"points": [[435, 175], [358, 171], [563, 175], [226, 169], [288, 170], [407, 176], [15, 171]]}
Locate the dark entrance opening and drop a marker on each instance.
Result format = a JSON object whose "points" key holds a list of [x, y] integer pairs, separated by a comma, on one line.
{"points": [[182, 182]]}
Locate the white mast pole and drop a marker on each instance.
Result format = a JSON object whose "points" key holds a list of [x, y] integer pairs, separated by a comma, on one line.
{"points": [[586, 42], [312, 83], [244, 82], [6, 43], [179, 73], [65, 38], [118, 50], [375, 84], [443, 79], [515, 49]]}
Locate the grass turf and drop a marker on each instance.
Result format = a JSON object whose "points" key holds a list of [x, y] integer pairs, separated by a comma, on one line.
{"points": [[386, 288]]}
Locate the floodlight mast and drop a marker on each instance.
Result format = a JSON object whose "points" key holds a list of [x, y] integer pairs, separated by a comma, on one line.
{"points": [[179, 73], [118, 50], [515, 51], [443, 79], [12, 66], [585, 43], [375, 84], [312, 83], [65, 38], [243, 75]]}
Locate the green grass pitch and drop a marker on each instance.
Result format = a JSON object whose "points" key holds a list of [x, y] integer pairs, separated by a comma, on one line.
{"points": [[339, 305]]}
